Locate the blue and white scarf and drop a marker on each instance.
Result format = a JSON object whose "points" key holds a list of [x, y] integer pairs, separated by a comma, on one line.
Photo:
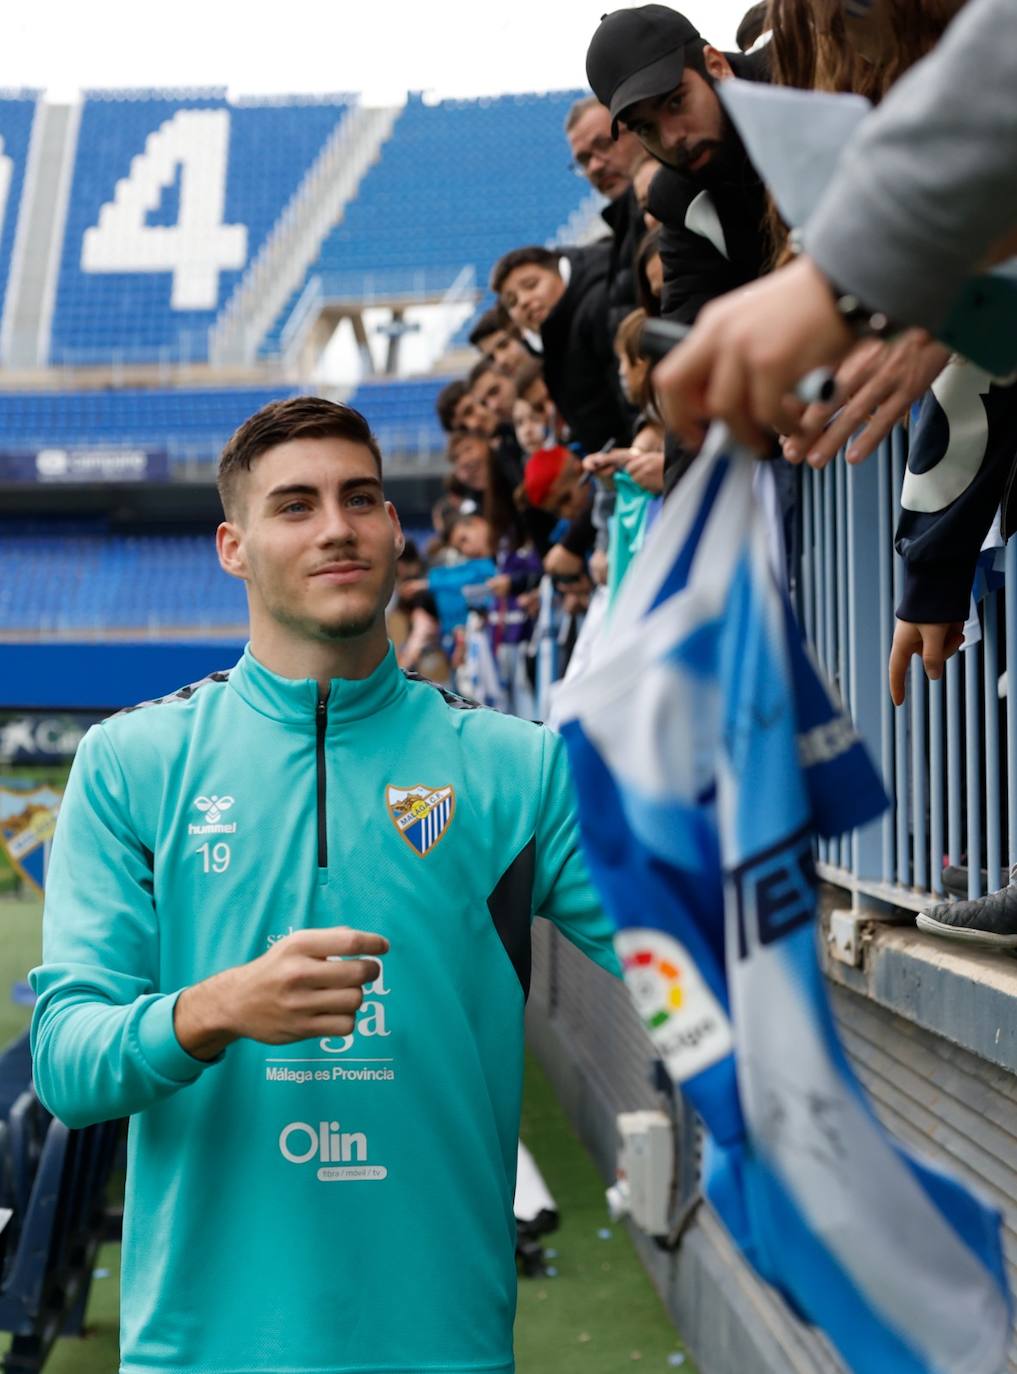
{"points": [[707, 753]]}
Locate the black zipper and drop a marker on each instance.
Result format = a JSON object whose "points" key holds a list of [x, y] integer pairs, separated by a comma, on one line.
{"points": [[320, 721]]}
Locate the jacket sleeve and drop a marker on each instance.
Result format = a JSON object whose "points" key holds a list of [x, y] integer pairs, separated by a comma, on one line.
{"points": [[562, 891], [695, 272], [930, 183], [103, 1043], [961, 453]]}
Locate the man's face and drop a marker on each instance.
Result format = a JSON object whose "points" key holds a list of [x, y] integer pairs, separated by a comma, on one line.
{"points": [[318, 543], [606, 163], [568, 498], [496, 393], [529, 294], [469, 461], [685, 127], [505, 350], [474, 418]]}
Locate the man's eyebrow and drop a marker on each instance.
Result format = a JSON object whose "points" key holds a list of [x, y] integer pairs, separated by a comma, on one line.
{"points": [[352, 482], [292, 489], [305, 489]]}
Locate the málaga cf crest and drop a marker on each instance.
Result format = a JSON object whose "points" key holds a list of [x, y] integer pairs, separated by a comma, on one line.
{"points": [[27, 820], [421, 814]]}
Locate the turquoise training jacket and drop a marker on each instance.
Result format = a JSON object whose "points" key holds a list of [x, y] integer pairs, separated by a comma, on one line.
{"points": [[342, 1206]]}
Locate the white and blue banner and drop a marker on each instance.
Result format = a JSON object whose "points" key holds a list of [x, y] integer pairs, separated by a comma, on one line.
{"points": [[707, 754]]}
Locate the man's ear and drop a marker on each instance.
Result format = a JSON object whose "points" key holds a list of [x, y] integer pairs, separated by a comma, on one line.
{"points": [[229, 546], [716, 63], [400, 538]]}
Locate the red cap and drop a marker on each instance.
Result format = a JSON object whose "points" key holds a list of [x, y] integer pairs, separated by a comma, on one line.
{"points": [[542, 471]]}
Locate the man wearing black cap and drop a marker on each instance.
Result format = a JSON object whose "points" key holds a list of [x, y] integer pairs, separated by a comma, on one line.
{"points": [[657, 76]]}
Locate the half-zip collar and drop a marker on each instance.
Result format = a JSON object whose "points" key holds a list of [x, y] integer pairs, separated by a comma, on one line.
{"points": [[294, 701]]}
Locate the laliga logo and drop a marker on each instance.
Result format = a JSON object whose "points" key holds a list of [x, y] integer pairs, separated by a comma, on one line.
{"points": [[213, 806]]}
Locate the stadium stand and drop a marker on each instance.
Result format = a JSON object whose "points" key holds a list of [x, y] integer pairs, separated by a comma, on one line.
{"points": [[194, 424], [402, 414], [56, 579], [16, 114], [133, 282], [182, 423], [458, 184]]}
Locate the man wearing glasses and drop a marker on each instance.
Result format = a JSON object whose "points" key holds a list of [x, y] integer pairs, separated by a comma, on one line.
{"points": [[609, 165]]}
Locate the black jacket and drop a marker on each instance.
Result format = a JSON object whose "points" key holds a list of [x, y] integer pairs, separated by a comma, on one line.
{"points": [[580, 367], [713, 237], [625, 220], [700, 263]]}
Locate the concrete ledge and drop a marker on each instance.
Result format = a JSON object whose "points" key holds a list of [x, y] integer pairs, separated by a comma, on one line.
{"points": [[732, 1323], [966, 995]]}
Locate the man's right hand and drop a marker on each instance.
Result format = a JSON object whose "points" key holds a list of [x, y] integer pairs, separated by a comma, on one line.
{"points": [[308, 985], [936, 643], [876, 385]]}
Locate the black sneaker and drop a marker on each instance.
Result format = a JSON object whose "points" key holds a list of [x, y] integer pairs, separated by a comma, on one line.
{"points": [[990, 921], [955, 879]]}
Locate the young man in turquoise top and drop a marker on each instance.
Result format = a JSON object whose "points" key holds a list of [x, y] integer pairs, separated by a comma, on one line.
{"points": [[287, 932]]}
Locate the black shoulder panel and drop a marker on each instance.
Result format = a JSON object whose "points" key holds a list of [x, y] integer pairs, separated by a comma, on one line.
{"points": [[450, 698], [510, 905], [182, 693]]}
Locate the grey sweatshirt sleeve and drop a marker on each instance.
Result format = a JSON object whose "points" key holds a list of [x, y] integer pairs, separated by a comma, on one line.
{"points": [[930, 183]]}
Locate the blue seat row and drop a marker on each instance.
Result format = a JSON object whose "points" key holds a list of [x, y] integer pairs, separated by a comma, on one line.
{"points": [[51, 581], [196, 423], [458, 184], [121, 297], [16, 114]]}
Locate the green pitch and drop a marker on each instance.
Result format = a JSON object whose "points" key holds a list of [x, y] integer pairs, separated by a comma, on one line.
{"points": [[598, 1314]]}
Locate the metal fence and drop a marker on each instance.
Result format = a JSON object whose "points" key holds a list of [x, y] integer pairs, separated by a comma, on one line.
{"points": [[947, 755]]}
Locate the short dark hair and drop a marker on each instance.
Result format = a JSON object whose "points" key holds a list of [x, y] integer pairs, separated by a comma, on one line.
{"points": [[695, 58], [530, 371], [521, 257], [299, 417], [492, 321], [479, 368], [410, 553], [446, 401]]}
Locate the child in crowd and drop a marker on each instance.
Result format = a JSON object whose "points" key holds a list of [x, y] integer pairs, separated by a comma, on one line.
{"points": [[471, 535], [470, 457], [553, 481], [530, 425]]}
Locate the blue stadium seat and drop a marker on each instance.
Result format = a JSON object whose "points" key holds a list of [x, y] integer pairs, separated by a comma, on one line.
{"points": [[194, 424], [184, 424], [458, 184], [402, 414], [138, 315], [61, 581], [16, 115]]}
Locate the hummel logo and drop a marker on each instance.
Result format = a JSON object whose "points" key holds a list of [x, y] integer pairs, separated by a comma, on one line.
{"points": [[213, 806]]}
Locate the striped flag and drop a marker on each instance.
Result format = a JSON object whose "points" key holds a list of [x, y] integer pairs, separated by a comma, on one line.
{"points": [[707, 753]]}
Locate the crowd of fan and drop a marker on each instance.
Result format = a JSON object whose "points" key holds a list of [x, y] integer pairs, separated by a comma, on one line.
{"points": [[556, 436]]}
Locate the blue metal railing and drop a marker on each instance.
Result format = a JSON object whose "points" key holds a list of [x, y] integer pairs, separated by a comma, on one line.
{"points": [[946, 757]]}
